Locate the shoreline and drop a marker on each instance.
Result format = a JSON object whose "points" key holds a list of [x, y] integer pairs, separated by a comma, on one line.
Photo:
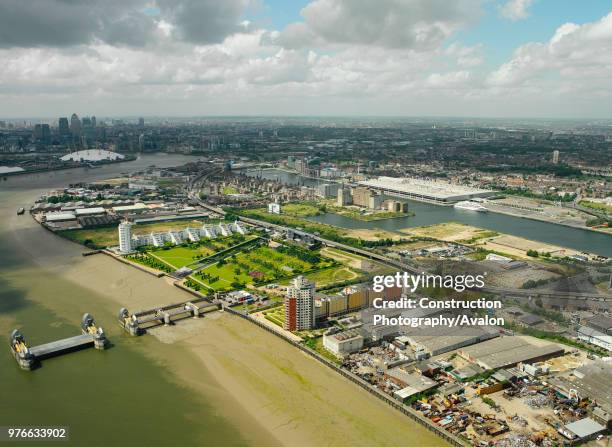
{"points": [[575, 226], [280, 396]]}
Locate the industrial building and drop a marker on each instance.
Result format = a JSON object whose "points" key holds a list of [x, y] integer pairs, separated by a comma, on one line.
{"points": [[344, 196], [412, 383], [584, 429], [395, 206], [445, 339], [594, 337], [427, 190], [343, 343], [592, 381], [328, 190], [601, 323], [367, 198], [508, 351]]}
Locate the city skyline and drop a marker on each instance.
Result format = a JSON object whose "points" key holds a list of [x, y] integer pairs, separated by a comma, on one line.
{"points": [[514, 58]]}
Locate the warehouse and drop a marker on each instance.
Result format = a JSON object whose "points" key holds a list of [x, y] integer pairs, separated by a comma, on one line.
{"points": [[583, 430], [427, 190], [444, 339], [592, 381], [412, 383], [595, 337], [343, 343], [508, 351]]}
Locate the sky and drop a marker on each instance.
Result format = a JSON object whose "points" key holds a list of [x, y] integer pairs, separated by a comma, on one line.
{"points": [[480, 58]]}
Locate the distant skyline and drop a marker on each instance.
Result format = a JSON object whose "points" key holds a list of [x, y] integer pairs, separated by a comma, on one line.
{"points": [[430, 58]]}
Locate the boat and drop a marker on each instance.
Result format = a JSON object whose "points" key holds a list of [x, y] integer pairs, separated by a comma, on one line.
{"points": [[20, 211], [470, 206]]}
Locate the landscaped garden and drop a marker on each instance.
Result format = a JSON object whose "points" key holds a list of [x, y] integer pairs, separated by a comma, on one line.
{"points": [[259, 265], [192, 252]]}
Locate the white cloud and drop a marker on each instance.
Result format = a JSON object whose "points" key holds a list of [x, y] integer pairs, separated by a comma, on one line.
{"points": [[581, 52], [345, 57], [407, 24], [455, 79], [516, 9]]}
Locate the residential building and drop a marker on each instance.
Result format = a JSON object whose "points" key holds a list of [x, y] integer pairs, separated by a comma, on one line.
{"points": [[274, 208], [125, 237], [299, 305]]}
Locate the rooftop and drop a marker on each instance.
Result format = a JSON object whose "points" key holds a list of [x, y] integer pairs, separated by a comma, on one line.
{"points": [[436, 189], [508, 351], [92, 155], [585, 428]]}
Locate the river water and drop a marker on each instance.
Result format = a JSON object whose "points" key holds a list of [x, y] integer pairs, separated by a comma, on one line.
{"points": [[428, 214], [223, 382], [118, 397]]}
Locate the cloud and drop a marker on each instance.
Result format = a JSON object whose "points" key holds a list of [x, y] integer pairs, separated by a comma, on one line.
{"points": [[61, 23], [455, 79], [203, 21], [579, 52], [346, 56], [465, 56], [36, 23], [515, 9], [409, 24]]}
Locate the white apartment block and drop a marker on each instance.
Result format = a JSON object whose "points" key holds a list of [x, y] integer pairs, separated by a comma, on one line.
{"points": [[128, 242], [125, 237]]}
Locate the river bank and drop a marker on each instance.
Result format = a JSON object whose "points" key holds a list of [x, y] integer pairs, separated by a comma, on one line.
{"points": [[580, 239], [506, 212], [214, 381]]}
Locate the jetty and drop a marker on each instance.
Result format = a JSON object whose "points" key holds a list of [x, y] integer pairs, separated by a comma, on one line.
{"points": [[29, 357], [138, 322]]}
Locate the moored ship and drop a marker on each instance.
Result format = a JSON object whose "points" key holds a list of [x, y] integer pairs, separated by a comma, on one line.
{"points": [[470, 206]]}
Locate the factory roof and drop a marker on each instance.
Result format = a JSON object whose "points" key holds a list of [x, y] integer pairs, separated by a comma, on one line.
{"points": [[415, 383], [585, 428], [530, 319], [136, 206], [600, 322], [59, 216], [441, 339], [593, 381], [508, 351], [346, 335], [87, 211]]}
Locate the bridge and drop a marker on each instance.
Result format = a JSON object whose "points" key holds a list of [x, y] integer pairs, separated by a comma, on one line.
{"points": [[29, 358]]}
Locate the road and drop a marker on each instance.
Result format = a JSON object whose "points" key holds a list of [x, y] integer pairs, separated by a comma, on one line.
{"points": [[392, 262]]}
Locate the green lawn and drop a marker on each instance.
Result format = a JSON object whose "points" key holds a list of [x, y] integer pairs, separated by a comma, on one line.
{"points": [[272, 263], [329, 276], [229, 190], [596, 206], [181, 256], [276, 315], [300, 210]]}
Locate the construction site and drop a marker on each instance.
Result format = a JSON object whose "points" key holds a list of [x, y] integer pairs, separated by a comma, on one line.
{"points": [[509, 391]]}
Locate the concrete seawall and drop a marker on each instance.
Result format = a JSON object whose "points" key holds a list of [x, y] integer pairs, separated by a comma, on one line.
{"points": [[132, 264], [408, 411]]}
